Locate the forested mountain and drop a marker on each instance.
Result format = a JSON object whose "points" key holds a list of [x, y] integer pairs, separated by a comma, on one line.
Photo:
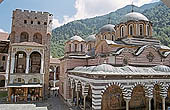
{"points": [[157, 13]]}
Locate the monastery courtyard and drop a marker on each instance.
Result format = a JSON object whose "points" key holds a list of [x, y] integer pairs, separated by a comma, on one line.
{"points": [[52, 103]]}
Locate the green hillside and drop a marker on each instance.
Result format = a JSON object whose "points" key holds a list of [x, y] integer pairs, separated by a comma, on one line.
{"points": [[157, 12]]}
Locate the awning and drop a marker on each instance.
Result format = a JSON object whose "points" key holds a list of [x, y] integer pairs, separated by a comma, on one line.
{"points": [[24, 85]]}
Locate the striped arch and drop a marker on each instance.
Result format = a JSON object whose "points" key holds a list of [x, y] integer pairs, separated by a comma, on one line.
{"points": [[163, 88], [146, 88], [111, 84]]}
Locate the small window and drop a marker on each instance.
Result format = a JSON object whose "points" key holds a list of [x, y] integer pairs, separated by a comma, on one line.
{"points": [[131, 29], [3, 58], [104, 37], [141, 29], [19, 80], [81, 47], [45, 23], [75, 47], [39, 22], [32, 22], [35, 80], [122, 31], [69, 47], [35, 17], [112, 37], [148, 30], [25, 21]]}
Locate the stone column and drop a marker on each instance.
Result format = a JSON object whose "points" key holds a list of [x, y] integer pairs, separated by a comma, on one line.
{"points": [[150, 98], [163, 103], [84, 102], [54, 75], [42, 65], [27, 64], [12, 64], [127, 104], [77, 98], [7, 70]]}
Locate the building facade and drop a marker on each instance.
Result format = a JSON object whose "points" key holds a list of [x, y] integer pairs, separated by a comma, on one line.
{"points": [[29, 54], [4, 45], [121, 67]]}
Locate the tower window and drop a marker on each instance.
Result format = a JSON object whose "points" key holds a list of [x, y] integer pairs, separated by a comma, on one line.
{"points": [[35, 17], [75, 47], [81, 47], [104, 37], [141, 29], [122, 31], [45, 23], [32, 22], [131, 29], [148, 30], [25, 21], [39, 22], [3, 58], [24, 37], [112, 37], [69, 47]]}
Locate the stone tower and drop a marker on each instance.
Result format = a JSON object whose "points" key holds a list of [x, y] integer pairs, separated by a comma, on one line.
{"points": [[30, 51]]}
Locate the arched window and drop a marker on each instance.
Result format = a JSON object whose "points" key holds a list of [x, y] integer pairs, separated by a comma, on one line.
{"points": [[148, 30], [105, 37], [122, 31], [24, 37], [113, 37], [75, 47], [37, 38], [81, 47], [69, 47], [90, 47], [35, 62], [20, 62], [131, 29], [141, 29]]}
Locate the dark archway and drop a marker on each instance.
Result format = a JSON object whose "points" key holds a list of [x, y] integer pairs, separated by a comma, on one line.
{"points": [[35, 62], [138, 99], [168, 99], [20, 62], [24, 37], [2, 81], [157, 98], [37, 38], [113, 99]]}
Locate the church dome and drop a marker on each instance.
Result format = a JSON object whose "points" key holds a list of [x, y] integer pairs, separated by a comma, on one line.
{"points": [[91, 38], [134, 16], [76, 38], [107, 28]]}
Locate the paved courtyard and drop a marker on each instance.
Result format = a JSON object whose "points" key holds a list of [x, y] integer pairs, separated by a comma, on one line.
{"points": [[52, 103]]}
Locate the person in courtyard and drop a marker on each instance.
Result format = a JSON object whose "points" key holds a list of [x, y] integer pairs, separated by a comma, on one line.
{"points": [[12, 98]]}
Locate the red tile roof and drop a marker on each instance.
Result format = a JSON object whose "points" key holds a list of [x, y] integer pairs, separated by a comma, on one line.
{"points": [[3, 36]]}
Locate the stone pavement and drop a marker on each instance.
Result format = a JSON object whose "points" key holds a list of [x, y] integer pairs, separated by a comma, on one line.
{"points": [[53, 103]]}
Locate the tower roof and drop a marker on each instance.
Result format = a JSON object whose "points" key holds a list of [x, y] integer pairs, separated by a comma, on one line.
{"points": [[91, 38], [107, 28], [134, 16], [76, 38]]}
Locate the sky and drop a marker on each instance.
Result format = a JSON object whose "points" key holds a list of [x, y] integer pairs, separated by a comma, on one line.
{"points": [[64, 11]]}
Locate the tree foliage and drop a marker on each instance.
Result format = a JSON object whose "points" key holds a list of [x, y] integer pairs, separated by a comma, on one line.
{"points": [[157, 12]]}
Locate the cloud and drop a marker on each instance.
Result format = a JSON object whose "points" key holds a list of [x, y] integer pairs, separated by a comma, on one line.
{"points": [[92, 8], [1, 30]]}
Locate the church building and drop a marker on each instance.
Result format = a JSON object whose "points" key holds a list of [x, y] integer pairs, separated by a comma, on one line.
{"points": [[122, 67]]}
